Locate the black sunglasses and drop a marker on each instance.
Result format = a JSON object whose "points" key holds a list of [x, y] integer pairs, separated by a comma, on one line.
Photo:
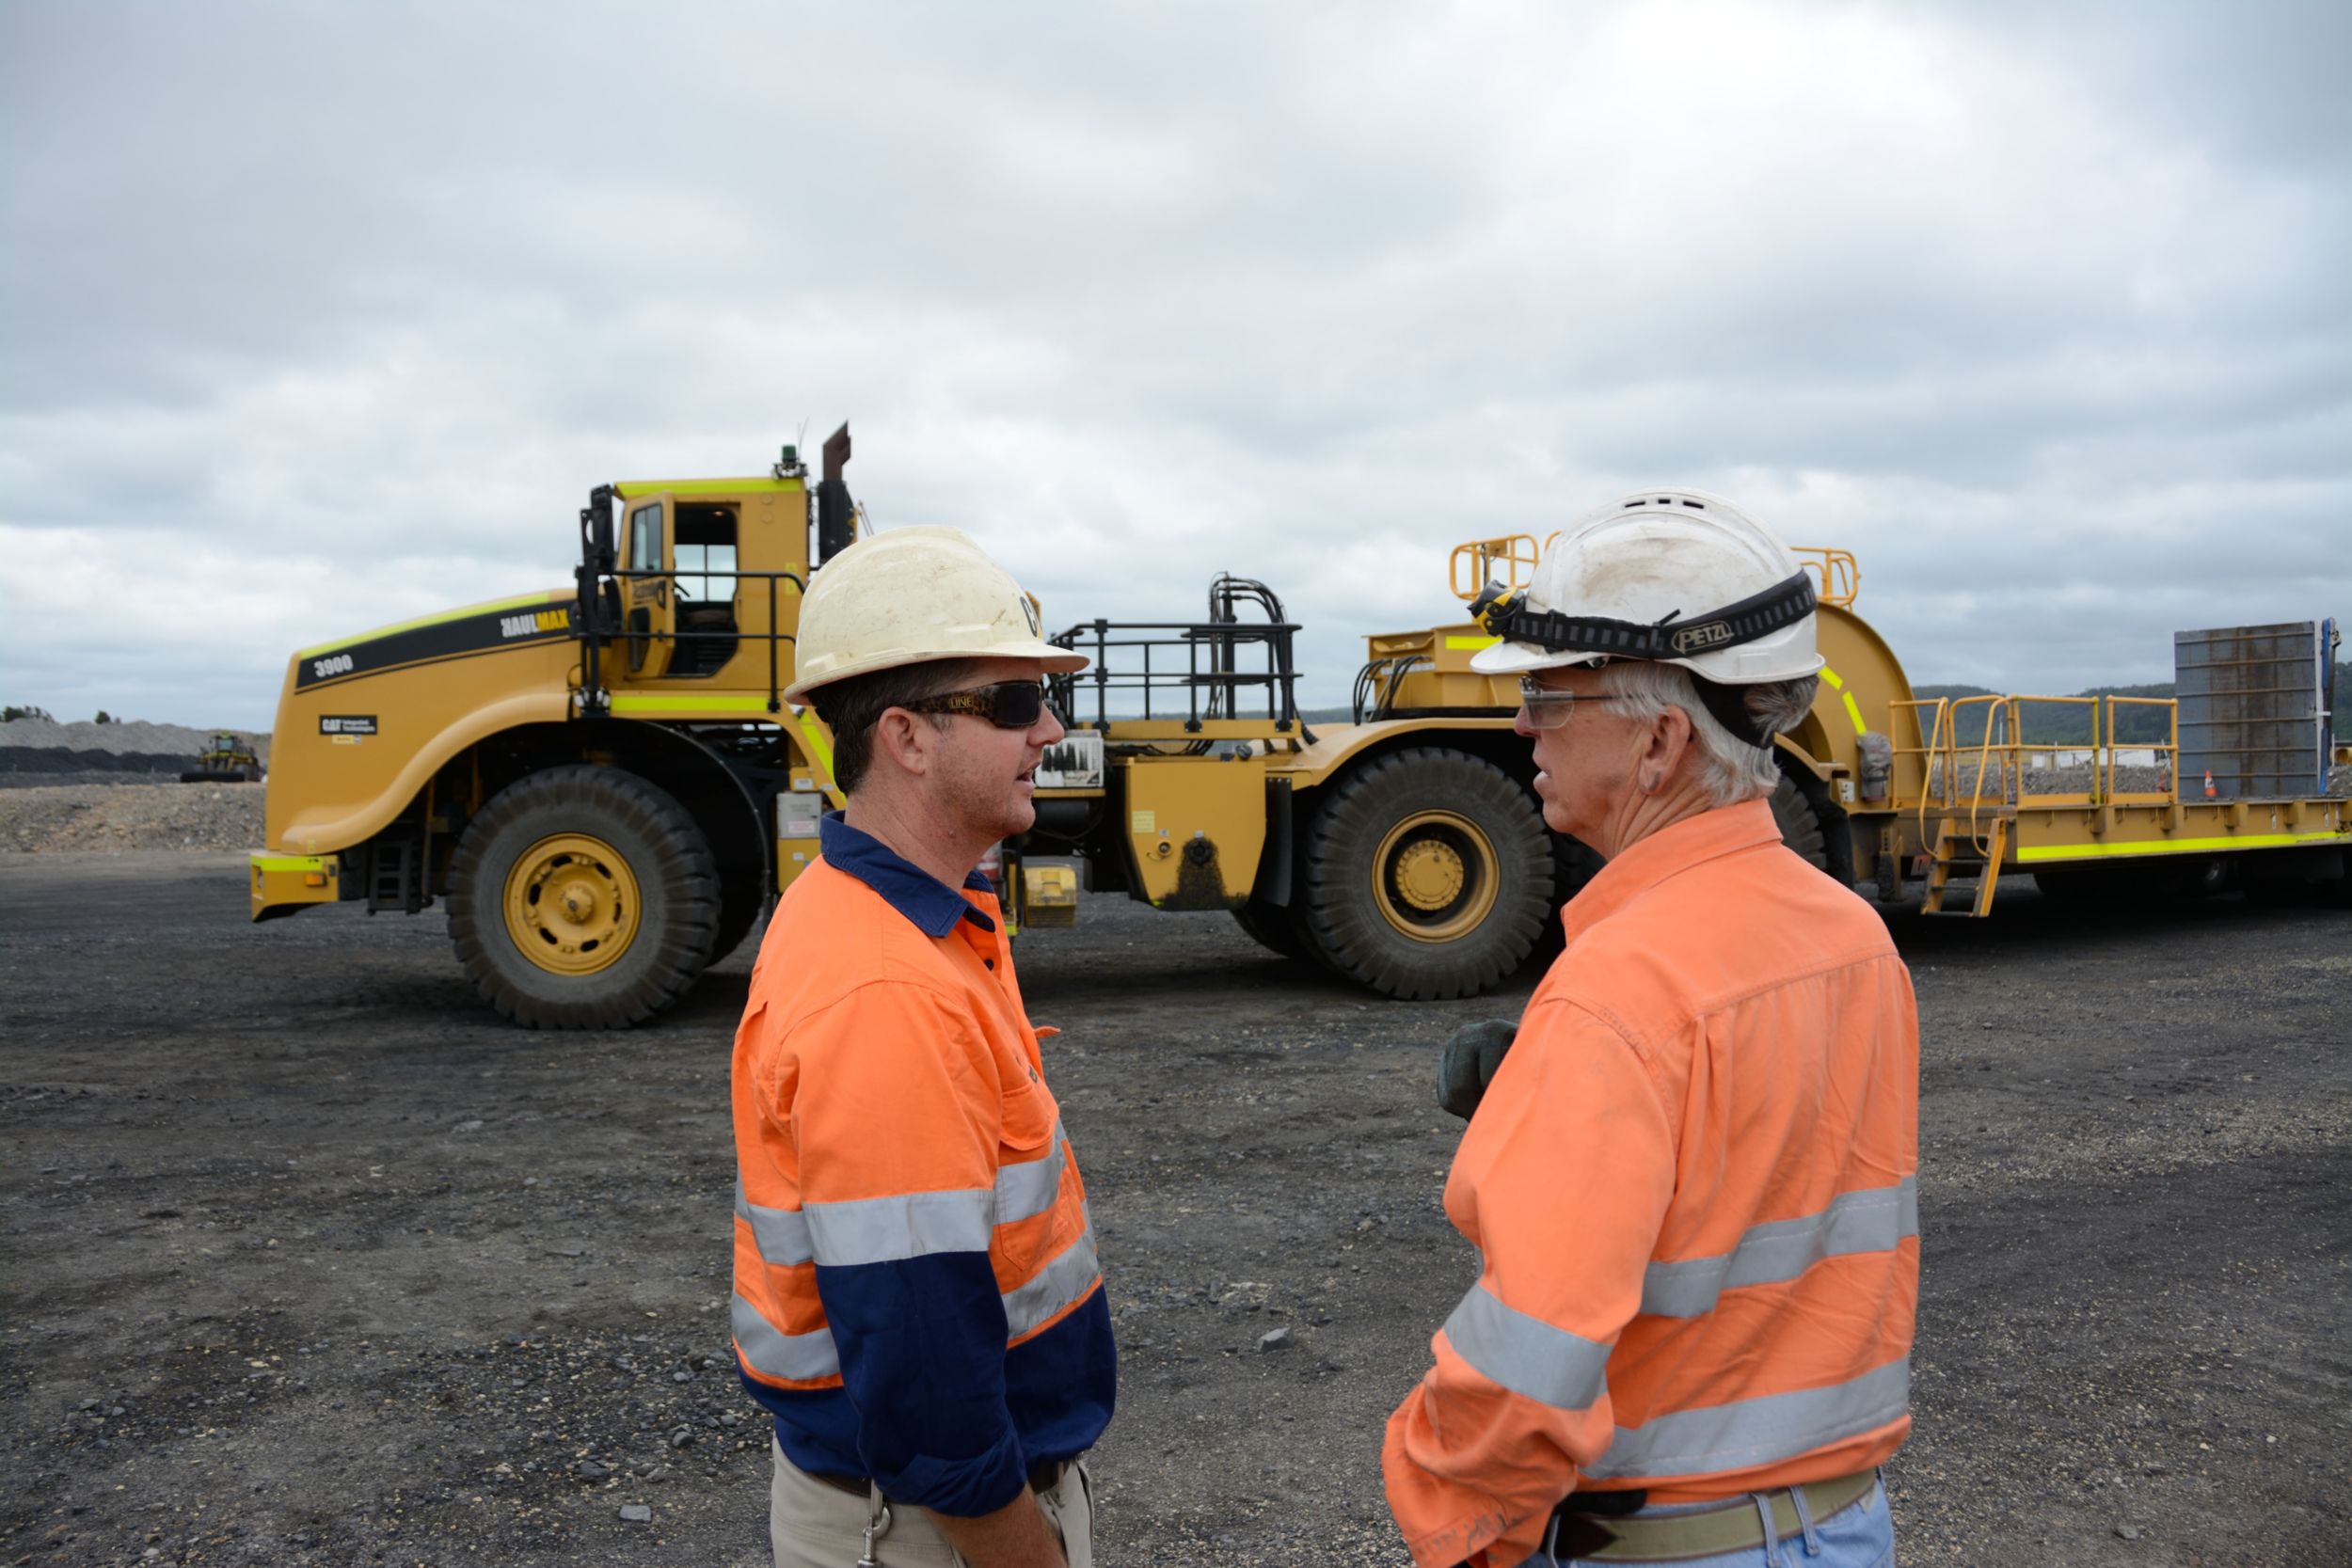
{"points": [[1008, 705]]}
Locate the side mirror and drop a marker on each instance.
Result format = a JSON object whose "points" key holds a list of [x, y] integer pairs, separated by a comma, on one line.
{"points": [[597, 546]]}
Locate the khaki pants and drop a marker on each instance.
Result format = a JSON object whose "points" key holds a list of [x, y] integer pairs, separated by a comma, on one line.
{"points": [[811, 1525]]}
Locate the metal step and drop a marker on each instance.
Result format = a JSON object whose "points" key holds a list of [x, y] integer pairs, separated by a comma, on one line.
{"points": [[1958, 855]]}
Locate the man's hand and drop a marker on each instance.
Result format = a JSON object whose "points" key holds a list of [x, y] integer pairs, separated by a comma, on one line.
{"points": [[1015, 1536], [1468, 1063]]}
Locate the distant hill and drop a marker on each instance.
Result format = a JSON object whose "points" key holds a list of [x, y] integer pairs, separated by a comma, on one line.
{"points": [[2057, 723]]}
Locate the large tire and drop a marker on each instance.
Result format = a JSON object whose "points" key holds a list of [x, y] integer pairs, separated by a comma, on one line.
{"points": [[1272, 927], [583, 898], [1813, 828], [1429, 875], [2077, 887], [743, 898]]}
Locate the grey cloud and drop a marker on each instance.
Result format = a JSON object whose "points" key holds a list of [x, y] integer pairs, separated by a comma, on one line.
{"points": [[2036, 308]]}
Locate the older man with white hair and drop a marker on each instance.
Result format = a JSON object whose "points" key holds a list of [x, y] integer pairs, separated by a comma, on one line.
{"points": [[1691, 1165]]}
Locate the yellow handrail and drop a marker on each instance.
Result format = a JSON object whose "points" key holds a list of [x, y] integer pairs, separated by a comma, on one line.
{"points": [[1838, 580], [2022, 749], [2171, 793], [1515, 553]]}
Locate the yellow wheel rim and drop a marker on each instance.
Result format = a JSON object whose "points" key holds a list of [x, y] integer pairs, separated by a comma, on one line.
{"points": [[571, 904], [1434, 876]]}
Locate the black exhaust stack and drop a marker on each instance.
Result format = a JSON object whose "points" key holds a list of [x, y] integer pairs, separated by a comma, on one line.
{"points": [[837, 515]]}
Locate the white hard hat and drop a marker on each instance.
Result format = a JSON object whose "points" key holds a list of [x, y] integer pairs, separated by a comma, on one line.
{"points": [[1679, 576], [911, 596]]}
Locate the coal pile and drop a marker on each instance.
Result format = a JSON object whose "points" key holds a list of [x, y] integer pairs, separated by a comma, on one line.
{"points": [[41, 753]]}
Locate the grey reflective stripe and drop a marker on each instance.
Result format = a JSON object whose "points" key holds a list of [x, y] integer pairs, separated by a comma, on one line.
{"points": [[1064, 1280], [1025, 1191], [910, 1225], [1526, 1354], [781, 1234], [791, 1357], [1873, 1220], [1759, 1430]]}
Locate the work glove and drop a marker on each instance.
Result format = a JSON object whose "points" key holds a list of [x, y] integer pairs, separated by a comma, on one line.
{"points": [[1468, 1064]]}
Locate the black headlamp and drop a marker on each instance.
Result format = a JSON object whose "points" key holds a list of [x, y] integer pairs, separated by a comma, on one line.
{"points": [[1504, 612]]}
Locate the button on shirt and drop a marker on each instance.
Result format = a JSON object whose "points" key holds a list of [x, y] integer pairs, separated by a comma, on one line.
{"points": [[917, 1298]]}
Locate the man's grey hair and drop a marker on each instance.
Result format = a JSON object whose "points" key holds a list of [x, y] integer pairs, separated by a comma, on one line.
{"points": [[1729, 770], [851, 707]]}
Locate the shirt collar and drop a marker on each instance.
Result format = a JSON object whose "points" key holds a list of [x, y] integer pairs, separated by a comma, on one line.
{"points": [[1710, 836], [923, 899]]}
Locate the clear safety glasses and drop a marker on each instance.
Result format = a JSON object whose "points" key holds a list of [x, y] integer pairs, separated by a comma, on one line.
{"points": [[1008, 705], [1548, 709]]}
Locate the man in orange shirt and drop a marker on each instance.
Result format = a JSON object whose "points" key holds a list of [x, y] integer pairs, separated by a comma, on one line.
{"points": [[1690, 1171], [917, 1300]]}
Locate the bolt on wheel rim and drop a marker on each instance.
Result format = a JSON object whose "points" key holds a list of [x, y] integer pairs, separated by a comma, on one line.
{"points": [[1434, 876], [571, 904]]}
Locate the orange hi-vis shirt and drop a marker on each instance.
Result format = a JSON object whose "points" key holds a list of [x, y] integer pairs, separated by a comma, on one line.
{"points": [[916, 1295], [1693, 1187]]}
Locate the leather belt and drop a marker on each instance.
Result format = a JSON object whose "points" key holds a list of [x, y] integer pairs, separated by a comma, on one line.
{"points": [[1729, 1526], [1043, 1476]]}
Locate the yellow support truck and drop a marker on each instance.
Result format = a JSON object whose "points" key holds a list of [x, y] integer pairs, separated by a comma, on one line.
{"points": [[604, 785], [1405, 850]]}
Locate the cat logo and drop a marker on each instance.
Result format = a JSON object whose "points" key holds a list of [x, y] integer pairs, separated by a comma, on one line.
{"points": [[534, 626]]}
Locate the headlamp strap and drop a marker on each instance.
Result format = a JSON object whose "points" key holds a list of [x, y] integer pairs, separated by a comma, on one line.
{"points": [[1504, 612]]}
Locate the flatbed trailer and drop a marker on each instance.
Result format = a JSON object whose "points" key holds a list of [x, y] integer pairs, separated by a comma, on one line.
{"points": [[1969, 814]]}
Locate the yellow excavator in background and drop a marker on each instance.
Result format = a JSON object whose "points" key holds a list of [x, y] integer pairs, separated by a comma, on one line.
{"points": [[225, 759]]}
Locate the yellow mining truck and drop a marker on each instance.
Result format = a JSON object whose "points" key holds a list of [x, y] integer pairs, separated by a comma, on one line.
{"points": [[601, 780], [604, 785]]}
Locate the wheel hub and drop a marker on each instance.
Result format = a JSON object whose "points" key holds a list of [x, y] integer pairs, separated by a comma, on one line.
{"points": [[1429, 874], [1436, 876], [571, 904]]}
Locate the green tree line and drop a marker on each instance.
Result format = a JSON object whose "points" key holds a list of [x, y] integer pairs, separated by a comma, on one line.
{"points": [[2054, 723]]}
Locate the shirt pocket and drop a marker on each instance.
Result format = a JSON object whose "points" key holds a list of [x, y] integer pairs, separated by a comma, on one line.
{"points": [[1028, 1180], [1029, 1115]]}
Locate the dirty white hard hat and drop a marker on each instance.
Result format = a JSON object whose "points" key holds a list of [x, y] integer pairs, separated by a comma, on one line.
{"points": [[911, 596], [1680, 577]]}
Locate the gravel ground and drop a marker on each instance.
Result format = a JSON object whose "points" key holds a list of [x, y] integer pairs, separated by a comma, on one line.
{"points": [[312, 1261], [125, 818]]}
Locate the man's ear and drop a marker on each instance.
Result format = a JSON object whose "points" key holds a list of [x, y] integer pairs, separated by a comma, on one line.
{"points": [[906, 739], [1667, 740]]}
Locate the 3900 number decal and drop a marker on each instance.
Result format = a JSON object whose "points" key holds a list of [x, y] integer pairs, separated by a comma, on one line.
{"points": [[333, 664]]}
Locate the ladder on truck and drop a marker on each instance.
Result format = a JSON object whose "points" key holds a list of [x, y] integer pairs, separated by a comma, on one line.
{"points": [[1959, 851]]}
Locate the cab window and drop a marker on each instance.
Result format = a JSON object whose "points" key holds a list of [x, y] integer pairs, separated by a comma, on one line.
{"points": [[644, 539]]}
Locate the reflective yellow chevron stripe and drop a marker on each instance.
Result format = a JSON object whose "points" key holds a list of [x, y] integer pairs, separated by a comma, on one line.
{"points": [[1853, 710], [521, 601], [2175, 846], [291, 863], [819, 749], [663, 703], [628, 489]]}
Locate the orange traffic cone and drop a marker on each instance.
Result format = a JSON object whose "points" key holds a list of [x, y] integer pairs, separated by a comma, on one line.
{"points": [[2210, 791]]}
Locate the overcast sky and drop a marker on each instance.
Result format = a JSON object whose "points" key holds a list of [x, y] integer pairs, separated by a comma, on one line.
{"points": [[322, 315]]}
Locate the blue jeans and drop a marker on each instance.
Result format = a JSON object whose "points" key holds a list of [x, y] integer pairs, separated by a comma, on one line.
{"points": [[1861, 1536]]}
